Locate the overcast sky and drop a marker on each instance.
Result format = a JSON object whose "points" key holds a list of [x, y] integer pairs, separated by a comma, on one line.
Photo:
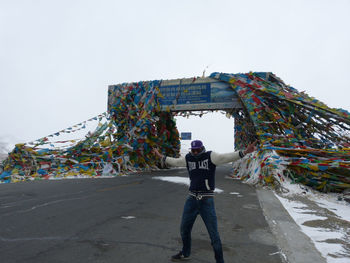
{"points": [[57, 58]]}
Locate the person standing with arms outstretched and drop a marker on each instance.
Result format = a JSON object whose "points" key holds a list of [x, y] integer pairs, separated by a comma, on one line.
{"points": [[201, 165]]}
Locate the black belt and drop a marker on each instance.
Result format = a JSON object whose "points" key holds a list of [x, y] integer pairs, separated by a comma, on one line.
{"points": [[200, 196]]}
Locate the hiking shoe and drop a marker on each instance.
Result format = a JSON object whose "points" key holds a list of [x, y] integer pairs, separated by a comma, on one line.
{"points": [[179, 257]]}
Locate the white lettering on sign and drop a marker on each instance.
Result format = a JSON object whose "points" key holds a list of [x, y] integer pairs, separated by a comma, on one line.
{"points": [[191, 166], [204, 164]]}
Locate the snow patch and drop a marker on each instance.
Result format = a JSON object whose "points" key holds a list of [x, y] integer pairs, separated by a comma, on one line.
{"points": [[341, 209], [128, 217], [301, 213], [180, 180]]}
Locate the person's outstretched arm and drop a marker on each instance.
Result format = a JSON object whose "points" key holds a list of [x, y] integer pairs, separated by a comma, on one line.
{"points": [[178, 162], [222, 158]]}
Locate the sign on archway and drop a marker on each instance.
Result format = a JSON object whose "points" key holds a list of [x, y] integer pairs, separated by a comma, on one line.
{"points": [[191, 94]]}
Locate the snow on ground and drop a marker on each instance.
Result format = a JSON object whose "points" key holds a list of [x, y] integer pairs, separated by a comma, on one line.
{"points": [[128, 217], [180, 180], [236, 194], [322, 217]]}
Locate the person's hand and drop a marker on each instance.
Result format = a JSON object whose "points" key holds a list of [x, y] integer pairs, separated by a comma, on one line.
{"points": [[250, 148], [156, 152]]}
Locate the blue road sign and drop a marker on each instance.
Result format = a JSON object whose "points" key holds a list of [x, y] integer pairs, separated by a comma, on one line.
{"points": [[198, 94], [186, 136]]}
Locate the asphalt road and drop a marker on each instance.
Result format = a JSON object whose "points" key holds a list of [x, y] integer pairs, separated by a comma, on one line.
{"points": [[126, 219]]}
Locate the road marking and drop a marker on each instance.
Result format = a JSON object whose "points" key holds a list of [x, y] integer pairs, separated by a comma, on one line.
{"points": [[41, 205], [180, 180]]}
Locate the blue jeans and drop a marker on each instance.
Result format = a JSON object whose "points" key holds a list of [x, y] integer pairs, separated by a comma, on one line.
{"points": [[206, 209]]}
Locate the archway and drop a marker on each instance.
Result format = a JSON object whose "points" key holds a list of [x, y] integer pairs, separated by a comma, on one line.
{"points": [[299, 136]]}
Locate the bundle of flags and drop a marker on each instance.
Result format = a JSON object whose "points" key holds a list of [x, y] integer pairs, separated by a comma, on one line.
{"points": [[310, 142], [119, 144]]}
